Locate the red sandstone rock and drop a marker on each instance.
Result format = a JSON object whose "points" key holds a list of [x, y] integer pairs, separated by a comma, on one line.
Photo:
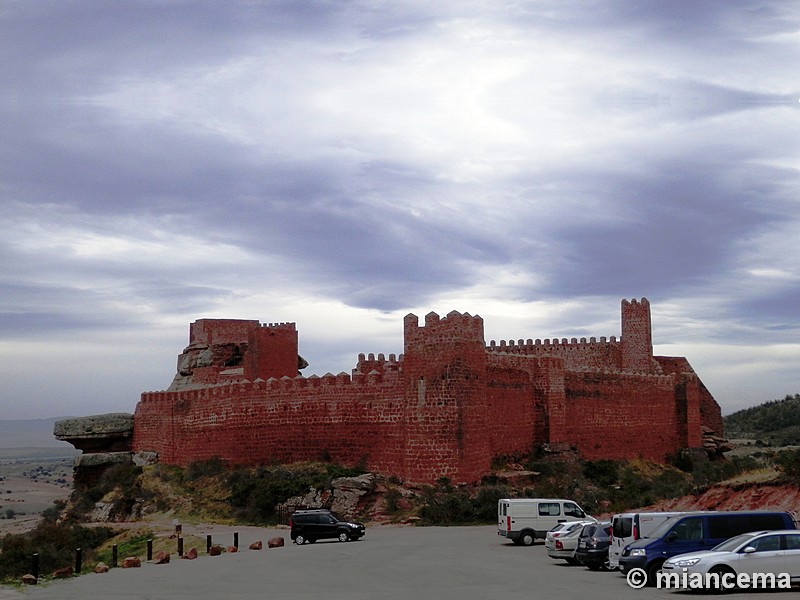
{"points": [[29, 579], [131, 562], [62, 573], [191, 554], [161, 558], [101, 567], [215, 550], [231, 549], [257, 545], [276, 542]]}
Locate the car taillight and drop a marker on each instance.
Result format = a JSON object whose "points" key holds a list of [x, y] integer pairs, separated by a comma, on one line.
{"points": [[291, 523], [635, 532], [508, 523], [559, 545]]}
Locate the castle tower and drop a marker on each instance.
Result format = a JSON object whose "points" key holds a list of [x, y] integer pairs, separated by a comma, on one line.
{"points": [[637, 337], [444, 368], [271, 352]]}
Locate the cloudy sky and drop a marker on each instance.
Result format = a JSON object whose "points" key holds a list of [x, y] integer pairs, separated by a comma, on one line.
{"points": [[340, 164]]}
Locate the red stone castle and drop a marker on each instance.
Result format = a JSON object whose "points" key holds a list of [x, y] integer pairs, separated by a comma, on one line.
{"points": [[443, 408]]}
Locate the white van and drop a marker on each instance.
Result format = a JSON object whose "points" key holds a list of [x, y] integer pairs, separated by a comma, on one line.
{"points": [[629, 527], [522, 520]]}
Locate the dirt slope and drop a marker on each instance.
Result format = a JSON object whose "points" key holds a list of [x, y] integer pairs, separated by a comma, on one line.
{"points": [[737, 497]]}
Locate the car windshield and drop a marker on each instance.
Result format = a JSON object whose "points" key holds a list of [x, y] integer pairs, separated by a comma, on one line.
{"points": [[588, 530], [558, 527], [733, 543]]}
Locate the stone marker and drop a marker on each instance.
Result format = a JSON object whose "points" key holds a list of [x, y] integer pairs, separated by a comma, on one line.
{"points": [[101, 567], [191, 554], [276, 542], [161, 558], [28, 579], [257, 545], [131, 562]]}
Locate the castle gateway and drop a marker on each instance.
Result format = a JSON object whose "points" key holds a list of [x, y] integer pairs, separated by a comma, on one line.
{"points": [[443, 408]]}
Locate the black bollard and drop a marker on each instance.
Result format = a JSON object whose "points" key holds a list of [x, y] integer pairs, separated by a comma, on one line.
{"points": [[149, 550], [180, 546], [236, 539], [208, 543], [114, 555], [78, 560], [35, 565]]}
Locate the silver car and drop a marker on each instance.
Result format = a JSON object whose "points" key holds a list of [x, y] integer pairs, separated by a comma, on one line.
{"points": [[773, 555]]}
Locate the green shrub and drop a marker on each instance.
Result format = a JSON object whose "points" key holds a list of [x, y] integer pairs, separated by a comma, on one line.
{"points": [[788, 462], [55, 545], [211, 467]]}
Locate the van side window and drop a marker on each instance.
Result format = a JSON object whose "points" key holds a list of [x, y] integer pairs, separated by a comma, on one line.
{"points": [[549, 509], [572, 510], [503, 509], [689, 529]]}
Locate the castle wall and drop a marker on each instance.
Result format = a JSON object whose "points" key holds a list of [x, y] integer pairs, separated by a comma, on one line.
{"points": [[443, 408], [577, 354], [284, 420], [620, 415], [444, 368]]}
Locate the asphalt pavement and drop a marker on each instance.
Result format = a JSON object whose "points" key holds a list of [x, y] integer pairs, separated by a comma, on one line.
{"points": [[462, 563]]}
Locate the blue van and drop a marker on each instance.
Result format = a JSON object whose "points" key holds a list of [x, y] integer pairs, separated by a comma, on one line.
{"points": [[694, 532]]}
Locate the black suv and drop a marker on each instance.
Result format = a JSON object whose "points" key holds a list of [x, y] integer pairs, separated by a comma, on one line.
{"points": [[593, 546], [318, 524]]}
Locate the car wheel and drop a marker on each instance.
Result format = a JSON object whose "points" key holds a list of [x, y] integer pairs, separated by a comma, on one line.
{"points": [[720, 571], [527, 538], [652, 573], [343, 537], [300, 540], [606, 564]]}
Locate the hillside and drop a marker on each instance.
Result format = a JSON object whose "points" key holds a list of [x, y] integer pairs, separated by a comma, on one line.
{"points": [[774, 423]]}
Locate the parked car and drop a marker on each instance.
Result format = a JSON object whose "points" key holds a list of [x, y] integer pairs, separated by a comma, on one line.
{"points": [[629, 527], [764, 552], [696, 532], [317, 524], [522, 520], [593, 546], [562, 542]]}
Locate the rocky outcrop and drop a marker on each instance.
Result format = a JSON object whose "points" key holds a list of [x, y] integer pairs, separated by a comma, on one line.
{"points": [[111, 432], [345, 497]]}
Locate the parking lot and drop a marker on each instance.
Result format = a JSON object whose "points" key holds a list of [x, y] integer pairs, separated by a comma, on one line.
{"points": [[390, 562]]}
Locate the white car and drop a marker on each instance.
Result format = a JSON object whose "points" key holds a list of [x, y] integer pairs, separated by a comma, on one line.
{"points": [[562, 541], [762, 552]]}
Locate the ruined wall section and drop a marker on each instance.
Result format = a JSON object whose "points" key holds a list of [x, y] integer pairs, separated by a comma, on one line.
{"points": [[271, 352], [444, 368], [349, 419]]}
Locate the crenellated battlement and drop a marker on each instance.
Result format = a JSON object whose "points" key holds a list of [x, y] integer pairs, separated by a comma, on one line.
{"points": [[454, 325], [288, 325]]}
